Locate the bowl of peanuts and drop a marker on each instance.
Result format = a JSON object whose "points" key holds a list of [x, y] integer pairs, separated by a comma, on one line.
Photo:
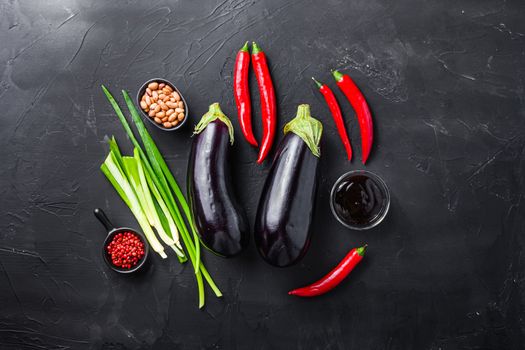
{"points": [[162, 104]]}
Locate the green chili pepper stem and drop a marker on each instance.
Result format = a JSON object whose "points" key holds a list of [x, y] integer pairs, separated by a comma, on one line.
{"points": [[255, 48], [319, 85], [245, 48], [337, 75], [361, 250]]}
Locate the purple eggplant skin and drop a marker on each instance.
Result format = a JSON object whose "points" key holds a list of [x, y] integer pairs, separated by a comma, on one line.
{"points": [[218, 217], [284, 215]]}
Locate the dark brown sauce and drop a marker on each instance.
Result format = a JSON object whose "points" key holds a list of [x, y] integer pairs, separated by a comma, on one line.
{"points": [[359, 200]]}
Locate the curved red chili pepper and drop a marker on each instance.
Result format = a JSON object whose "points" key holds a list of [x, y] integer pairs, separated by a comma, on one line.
{"points": [[331, 101], [242, 93], [358, 102], [267, 95], [334, 277]]}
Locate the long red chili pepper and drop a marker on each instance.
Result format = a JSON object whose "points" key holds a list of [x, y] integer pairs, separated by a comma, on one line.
{"points": [[242, 93], [329, 97], [267, 95], [358, 102], [334, 277]]}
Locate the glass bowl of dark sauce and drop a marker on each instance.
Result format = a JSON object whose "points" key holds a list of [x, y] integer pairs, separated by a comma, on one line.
{"points": [[360, 200]]}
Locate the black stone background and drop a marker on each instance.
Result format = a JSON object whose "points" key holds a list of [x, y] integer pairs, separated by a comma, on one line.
{"points": [[445, 81]]}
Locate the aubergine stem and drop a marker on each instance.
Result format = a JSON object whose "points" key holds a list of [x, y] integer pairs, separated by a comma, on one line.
{"points": [[214, 113], [307, 128]]}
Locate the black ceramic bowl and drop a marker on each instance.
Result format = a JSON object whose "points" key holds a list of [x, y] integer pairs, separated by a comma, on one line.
{"points": [[112, 232], [142, 91]]}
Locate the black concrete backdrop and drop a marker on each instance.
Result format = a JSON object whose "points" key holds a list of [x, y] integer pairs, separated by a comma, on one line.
{"points": [[445, 81]]}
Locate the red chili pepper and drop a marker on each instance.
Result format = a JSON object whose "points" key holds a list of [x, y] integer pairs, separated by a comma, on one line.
{"points": [[336, 114], [267, 95], [358, 102], [334, 277], [242, 93]]}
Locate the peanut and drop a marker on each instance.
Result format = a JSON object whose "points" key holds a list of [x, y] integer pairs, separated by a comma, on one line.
{"points": [[162, 103]]}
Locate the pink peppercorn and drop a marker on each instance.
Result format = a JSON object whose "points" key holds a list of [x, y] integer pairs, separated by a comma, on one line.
{"points": [[125, 250]]}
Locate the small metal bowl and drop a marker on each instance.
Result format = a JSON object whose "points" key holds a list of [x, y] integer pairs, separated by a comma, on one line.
{"points": [[382, 187], [142, 91], [112, 232]]}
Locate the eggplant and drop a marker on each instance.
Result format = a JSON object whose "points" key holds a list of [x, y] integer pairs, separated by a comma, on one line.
{"points": [[219, 219], [286, 205]]}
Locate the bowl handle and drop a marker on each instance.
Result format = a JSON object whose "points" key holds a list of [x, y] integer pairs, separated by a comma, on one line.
{"points": [[101, 216]]}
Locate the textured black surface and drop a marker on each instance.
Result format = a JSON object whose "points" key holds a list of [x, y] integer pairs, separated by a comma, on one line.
{"points": [[445, 81]]}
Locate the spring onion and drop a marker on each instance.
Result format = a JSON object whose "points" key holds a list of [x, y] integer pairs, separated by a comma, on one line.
{"points": [[118, 179], [132, 168], [139, 184], [161, 169]]}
